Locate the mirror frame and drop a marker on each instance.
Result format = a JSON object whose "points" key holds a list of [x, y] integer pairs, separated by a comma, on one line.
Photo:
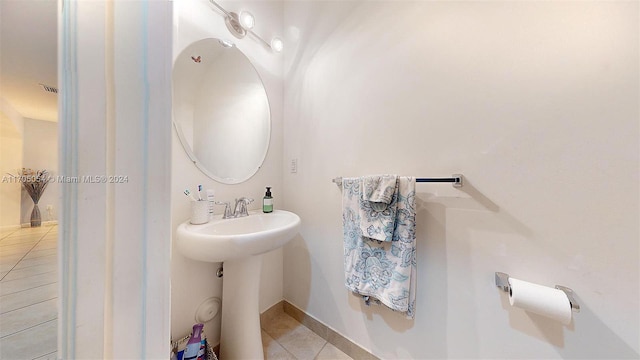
{"points": [[185, 143]]}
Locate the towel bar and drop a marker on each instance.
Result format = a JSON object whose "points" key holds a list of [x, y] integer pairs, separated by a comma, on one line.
{"points": [[456, 179]]}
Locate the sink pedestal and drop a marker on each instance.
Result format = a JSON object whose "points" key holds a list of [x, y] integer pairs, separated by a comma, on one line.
{"points": [[239, 243], [241, 336]]}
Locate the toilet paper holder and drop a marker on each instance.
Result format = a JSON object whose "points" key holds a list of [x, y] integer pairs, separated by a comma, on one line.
{"points": [[502, 281]]}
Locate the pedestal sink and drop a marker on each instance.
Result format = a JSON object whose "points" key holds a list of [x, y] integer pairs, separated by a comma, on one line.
{"points": [[239, 243]]}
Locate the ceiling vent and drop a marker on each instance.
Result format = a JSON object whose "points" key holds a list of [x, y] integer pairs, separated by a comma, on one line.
{"points": [[48, 88]]}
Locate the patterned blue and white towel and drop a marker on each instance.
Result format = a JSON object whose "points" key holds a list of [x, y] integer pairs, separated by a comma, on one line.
{"points": [[379, 188], [384, 271], [378, 206]]}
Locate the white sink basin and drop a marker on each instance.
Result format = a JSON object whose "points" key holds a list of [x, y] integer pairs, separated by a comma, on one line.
{"points": [[223, 240]]}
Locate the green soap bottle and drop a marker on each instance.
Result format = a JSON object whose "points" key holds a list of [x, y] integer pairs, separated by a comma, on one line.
{"points": [[267, 201]]}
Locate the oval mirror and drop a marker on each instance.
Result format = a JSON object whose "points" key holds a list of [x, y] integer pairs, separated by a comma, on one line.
{"points": [[220, 110]]}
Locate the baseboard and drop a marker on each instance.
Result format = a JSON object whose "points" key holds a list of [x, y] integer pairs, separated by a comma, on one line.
{"points": [[271, 312], [345, 345], [9, 227], [44, 223]]}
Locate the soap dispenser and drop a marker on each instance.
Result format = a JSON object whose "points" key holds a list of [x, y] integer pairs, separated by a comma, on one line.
{"points": [[267, 201]]}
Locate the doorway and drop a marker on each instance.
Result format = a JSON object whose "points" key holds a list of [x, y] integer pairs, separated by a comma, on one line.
{"points": [[28, 145]]}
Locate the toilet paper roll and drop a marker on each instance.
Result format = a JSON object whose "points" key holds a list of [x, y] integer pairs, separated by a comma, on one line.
{"points": [[542, 300]]}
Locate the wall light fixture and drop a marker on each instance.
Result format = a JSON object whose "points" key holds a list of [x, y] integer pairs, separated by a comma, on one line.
{"points": [[241, 25]]}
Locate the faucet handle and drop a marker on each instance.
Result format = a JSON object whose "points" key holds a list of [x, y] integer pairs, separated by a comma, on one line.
{"points": [[227, 208], [241, 206]]}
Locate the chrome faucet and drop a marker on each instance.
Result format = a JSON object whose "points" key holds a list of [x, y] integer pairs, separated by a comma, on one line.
{"points": [[239, 210], [241, 207], [227, 209]]}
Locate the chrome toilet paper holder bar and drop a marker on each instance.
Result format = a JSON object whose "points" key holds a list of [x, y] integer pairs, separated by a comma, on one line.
{"points": [[502, 281]]}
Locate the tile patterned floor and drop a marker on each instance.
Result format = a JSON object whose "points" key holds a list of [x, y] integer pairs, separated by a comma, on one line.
{"points": [[284, 338], [28, 306], [28, 293]]}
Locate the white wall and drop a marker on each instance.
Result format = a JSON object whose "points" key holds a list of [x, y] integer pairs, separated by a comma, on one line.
{"points": [[40, 151], [536, 103], [10, 163], [191, 281]]}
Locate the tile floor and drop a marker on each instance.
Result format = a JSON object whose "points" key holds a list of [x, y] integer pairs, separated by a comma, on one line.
{"points": [[284, 338], [28, 305], [28, 293]]}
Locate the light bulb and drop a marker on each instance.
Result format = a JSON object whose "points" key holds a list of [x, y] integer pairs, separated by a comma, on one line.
{"points": [[247, 21], [276, 44], [226, 43]]}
